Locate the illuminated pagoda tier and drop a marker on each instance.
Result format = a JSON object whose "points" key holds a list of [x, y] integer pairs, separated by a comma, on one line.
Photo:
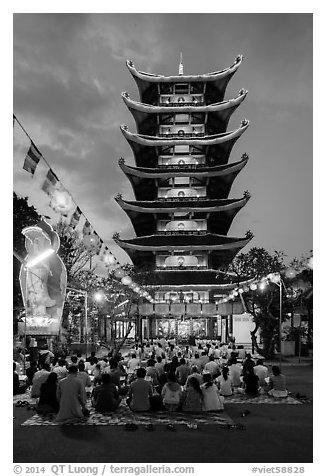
{"points": [[182, 212]]}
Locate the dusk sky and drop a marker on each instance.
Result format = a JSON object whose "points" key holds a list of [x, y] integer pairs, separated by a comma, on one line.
{"points": [[69, 72]]}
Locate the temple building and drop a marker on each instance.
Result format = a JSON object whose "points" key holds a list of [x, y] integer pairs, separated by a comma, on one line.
{"points": [[182, 212]]}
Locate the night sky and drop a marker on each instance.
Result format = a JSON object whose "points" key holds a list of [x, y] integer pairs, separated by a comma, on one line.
{"points": [[69, 72]]}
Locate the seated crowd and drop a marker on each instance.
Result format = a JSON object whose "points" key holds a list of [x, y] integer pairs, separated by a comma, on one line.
{"points": [[152, 377]]}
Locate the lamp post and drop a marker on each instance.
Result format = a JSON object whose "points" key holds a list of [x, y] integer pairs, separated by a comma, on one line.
{"points": [[279, 282], [85, 294]]}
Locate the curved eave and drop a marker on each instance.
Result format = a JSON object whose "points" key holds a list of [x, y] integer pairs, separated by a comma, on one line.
{"points": [[193, 206], [154, 141], [151, 173], [134, 245], [148, 108], [209, 77]]}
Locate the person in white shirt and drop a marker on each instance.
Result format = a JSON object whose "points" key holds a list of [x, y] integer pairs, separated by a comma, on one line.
{"points": [[211, 366], [261, 371], [133, 364], [235, 372], [61, 369], [224, 383], [39, 378]]}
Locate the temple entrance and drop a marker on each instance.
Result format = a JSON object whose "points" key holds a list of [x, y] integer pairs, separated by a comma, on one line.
{"points": [[181, 329]]}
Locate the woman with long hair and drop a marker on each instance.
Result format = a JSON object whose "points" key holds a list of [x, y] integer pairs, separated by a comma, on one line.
{"points": [[211, 397], [224, 383], [48, 402], [192, 396]]}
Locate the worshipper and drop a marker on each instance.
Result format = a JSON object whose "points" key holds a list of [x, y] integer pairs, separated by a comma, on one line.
{"points": [[159, 352], [212, 367], [235, 372], [106, 397], [91, 358], [140, 392], [174, 364], [71, 397], [211, 398], [241, 352], [171, 393], [17, 388], [187, 353], [39, 377], [248, 363], [250, 381], [192, 396], [204, 359], [83, 375], [61, 369], [48, 402], [224, 383], [152, 373], [195, 361], [45, 356], [32, 369], [164, 377], [133, 363], [196, 374], [159, 365], [277, 383], [182, 372], [261, 371], [97, 373]]}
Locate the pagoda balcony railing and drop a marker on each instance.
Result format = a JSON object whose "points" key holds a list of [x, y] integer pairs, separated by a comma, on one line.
{"points": [[182, 166], [180, 268], [182, 301], [182, 232], [180, 199], [182, 136], [181, 104]]}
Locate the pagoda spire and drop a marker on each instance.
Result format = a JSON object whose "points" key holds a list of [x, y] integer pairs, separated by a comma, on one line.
{"points": [[180, 65]]}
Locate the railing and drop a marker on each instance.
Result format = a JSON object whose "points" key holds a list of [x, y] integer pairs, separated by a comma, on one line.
{"points": [[182, 232], [182, 136], [180, 199], [181, 104], [180, 268], [182, 166]]}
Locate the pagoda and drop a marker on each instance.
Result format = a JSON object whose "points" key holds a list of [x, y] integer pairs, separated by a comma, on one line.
{"points": [[182, 212]]}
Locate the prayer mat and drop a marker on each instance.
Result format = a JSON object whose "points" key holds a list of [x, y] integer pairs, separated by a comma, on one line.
{"points": [[261, 399], [123, 415]]}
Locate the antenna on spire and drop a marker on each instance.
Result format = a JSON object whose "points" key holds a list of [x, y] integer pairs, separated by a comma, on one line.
{"points": [[180, 64]]}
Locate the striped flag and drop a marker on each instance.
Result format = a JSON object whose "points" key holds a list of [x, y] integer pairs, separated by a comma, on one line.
{"points": [[50, 182], [75, 218], [32, 159], [98, 244], [87, 228]]}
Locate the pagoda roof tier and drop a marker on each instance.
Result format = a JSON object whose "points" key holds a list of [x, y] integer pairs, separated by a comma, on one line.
{"points": [[222, 249], [216, 146], [216, 82], [218, 213], [218, 179], [193, 280], [217, 115]]}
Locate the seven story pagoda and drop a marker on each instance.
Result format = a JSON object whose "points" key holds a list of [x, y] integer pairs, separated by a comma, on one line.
{"points": [[182, 212]]}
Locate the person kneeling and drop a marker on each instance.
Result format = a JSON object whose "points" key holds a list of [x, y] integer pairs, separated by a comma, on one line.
{"points": [[106, 397], [171, 393]]}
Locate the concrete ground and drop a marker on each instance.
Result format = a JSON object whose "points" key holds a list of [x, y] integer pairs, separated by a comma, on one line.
{"points": [[273, 434]]}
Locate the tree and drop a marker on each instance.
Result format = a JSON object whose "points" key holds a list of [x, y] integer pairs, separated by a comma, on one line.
{"points": [[263, 305], [23, 216]]}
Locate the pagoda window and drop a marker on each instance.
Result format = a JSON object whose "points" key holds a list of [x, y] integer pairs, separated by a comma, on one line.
{"points": [[182, 118], [182, 224], [181, 88], [181, 149], [181, 180]]}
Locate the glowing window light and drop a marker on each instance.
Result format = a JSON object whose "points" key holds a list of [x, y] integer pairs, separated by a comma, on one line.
{"points": [[39, 258]]}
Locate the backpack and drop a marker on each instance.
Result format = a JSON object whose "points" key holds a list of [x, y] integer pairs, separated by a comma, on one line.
{"points": [[171, 396]]}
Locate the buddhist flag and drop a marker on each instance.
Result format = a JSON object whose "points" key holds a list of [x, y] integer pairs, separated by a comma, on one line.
{"points": [[99, 243], [87, 228], [50, 182], [75, 218], [32, 159]]}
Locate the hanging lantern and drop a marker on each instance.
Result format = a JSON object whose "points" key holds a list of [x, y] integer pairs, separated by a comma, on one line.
{"points": [[137, 289], [91, 241], [109, 259], [132, 285], [119, 273], [253, 286], [310, 263], [290, 273], [126, 280], [61, 202]]}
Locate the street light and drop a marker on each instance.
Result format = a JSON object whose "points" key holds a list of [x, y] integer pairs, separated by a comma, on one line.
{"points": [[85, 293], [277, 279]]}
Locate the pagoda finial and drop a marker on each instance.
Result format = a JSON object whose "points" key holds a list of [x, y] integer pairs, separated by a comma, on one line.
{"points": [[180, 65]]}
